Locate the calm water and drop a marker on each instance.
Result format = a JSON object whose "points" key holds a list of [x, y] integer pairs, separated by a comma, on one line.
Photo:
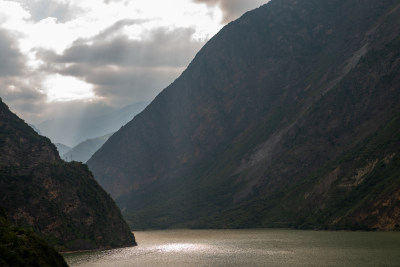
{"points": [[267, 247]]}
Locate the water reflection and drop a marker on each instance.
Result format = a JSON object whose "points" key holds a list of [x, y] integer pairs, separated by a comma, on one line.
{"points": [[184, 247], [249, 247]]}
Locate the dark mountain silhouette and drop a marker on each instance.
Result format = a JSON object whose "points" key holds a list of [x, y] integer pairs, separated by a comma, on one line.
{"points": [[288, 117], [60, 201]]}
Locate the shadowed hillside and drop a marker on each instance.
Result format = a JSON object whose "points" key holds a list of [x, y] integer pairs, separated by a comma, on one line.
{"points": [[21, 247], [288, 117], [60, 201]]}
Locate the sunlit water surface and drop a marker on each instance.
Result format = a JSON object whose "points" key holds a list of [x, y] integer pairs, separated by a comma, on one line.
{"points": [[266, 247]]}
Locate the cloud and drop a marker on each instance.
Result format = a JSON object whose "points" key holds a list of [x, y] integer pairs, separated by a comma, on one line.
{"points": [[12, 60], [159, 48], [123, 61], [42, 9], [123, 70], [21, 95], [18, 84], [14, 89], [233, 9], [115, 29]]}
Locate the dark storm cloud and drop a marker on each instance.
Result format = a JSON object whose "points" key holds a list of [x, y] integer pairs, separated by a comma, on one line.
{"points": [[17, 85], [132, 84], [233, 9], [43, 9], [160, 48], [125, 70], [21, 95], [12, 62]]}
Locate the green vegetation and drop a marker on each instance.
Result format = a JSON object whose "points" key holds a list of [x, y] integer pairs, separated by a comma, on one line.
{"points": [[21, 247]]}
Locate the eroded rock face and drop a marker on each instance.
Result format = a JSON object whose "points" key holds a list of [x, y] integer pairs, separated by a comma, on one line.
{"points": [[60, 201]]}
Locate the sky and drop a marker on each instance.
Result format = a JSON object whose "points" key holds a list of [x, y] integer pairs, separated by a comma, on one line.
{"points": [[63, 58]]}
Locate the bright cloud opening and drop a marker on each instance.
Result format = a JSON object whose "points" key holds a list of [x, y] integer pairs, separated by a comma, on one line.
{"points": [[60, 88], [49, 36]]}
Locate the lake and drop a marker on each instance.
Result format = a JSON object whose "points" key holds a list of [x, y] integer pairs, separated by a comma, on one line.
{"points": [[265, 247]]}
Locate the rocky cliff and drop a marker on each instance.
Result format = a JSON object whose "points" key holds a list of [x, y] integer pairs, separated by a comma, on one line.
{"points": [[288, 117], [60, 201]]}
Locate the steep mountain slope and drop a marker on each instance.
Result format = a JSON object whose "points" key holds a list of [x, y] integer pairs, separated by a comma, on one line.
{"points": [[72, 130], [85, 150], [288, 117], [60, 201]]}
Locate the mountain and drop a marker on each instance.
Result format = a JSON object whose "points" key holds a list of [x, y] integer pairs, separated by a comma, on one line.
{"points": [[288, 117], [35, 128], [72, 130], [60, 201], [62, 149], [83, 151], [21, 247]]}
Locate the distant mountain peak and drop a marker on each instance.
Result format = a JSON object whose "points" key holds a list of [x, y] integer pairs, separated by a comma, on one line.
{"points": [[73, 130], [83, 151]]}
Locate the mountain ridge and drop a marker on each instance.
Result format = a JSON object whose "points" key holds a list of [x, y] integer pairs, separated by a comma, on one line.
{"points": [[83, 151], [253, 117], [60, 201]]}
